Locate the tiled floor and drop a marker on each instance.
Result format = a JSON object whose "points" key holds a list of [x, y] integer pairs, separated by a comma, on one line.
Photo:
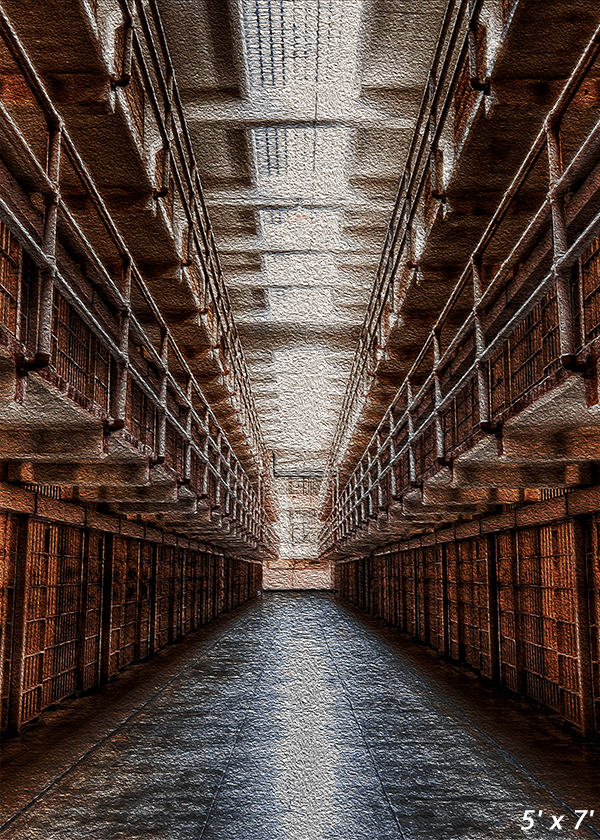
{"points": [[295, 720]]}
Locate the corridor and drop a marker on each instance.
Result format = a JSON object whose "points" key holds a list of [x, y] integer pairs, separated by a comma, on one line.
{"points": [[295, 719]]}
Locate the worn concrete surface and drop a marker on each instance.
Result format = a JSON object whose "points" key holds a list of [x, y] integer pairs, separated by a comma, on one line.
{"points": [[296, 719]]}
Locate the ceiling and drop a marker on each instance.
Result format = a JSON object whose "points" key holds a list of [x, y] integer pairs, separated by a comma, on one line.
{"points": [[301, 112]]}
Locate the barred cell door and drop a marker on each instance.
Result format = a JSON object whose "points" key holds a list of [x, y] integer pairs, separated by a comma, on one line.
{"points": [[52, 608], [593, 597], [508, 611], [8, 546]]}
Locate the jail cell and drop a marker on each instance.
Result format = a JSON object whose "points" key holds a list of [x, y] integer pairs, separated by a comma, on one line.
{"points": [[204, 587], [375, 595], [52, 609], [429, 596], [232, 584], [140, 415], [8, 547], [173, 449], [475, 605], [394, 562], [508, 611], [91, 611], [167, 595], [363, 582], [589, 279], [214, 583], [207, 564], [144, 630], [16, 274], [529, 357], [78, 356], [343, 575], [408, 592], [468, 605], [593, 584], [547, 597], [190, 616]]}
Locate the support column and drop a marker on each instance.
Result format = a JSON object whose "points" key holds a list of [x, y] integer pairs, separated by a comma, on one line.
{"points": [[152, 646], [20, 625], [106, 622], [83, 609], [445, 603], [493, 615], [581, 552]]}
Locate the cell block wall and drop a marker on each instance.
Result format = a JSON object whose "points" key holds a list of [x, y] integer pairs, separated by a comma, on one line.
{"points": [[520, 607], [78, 605]]}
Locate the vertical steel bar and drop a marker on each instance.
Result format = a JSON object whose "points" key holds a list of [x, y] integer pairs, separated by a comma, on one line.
{"points": [[483, 395], [439, 425], [164, 379], [46, 298], [107, 608], [15, 701], [561, 246], [123, 366], [581, 553]]}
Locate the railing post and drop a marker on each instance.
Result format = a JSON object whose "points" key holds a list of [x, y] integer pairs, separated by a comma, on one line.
{"points": [[568, 355], [393, 483], [412, 466], [162, 421], [46, 301], [483, 395], [120, 404], [439, 425]]}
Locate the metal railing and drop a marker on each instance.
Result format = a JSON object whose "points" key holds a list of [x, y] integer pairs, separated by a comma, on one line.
{"points": [[71, 323], [531, 321], [456, 81], [180, 163]]}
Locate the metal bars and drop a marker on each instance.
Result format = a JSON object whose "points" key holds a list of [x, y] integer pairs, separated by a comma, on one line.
{"points": [[517, 606], [84, 596], [94, 343], [519, 336]]}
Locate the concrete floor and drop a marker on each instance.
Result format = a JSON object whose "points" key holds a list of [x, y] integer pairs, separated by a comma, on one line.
{"points": [[295, 718]]}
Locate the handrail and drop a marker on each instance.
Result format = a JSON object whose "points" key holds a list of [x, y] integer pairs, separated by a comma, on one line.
{"points": [[443, 78], [558, 186], [213, 271], [228, 460]]}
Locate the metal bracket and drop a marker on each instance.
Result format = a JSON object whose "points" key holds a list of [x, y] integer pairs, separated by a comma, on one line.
{"points": [[571, 362], [480, 84], [39, 361], [113, 425]]}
